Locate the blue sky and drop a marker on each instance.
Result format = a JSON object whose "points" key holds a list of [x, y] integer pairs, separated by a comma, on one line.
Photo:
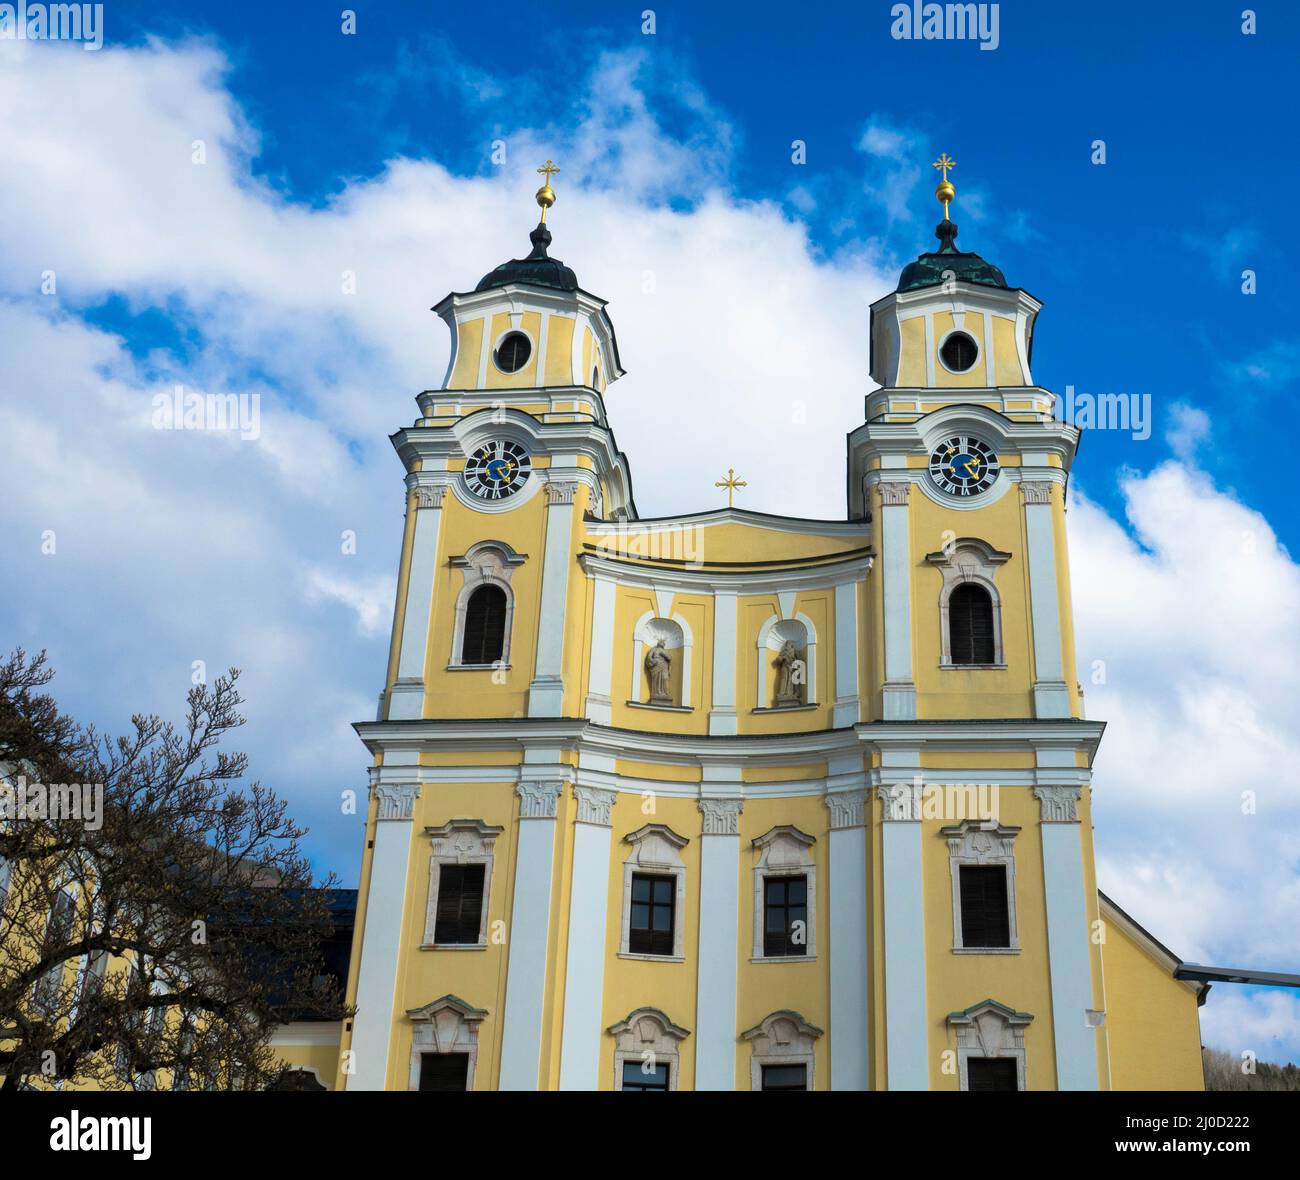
{"points": [[739, 283]]}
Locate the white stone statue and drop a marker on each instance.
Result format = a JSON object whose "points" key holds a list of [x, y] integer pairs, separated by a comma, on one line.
{"points": [[789, 675], [659, 666]]}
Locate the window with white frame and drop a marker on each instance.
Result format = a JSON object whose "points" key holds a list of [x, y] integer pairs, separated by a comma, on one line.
{"points": [[785, 896], [447, 1031], [460, 884], [970, 607], [58, 930], [647, 1053], [654, 895], [982, 866], [485, 606], [990, 1046], [782, 1053]]}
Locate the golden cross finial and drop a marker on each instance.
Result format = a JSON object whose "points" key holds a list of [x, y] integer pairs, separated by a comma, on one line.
{"points": [[731, 483], [546, 194], [945, 192]]}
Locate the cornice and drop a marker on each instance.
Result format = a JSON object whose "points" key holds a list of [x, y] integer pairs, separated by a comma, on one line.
{"points": [[632, 572]]}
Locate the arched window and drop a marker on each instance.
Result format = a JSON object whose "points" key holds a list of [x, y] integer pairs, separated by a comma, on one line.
{"points": [[485, 626], [970, 624]]}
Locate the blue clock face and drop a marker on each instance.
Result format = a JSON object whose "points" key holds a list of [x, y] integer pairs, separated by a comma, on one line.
{"points": [[497, 470], [963, 466]]}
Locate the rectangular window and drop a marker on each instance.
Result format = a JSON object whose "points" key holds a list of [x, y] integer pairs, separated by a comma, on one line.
{"points": [[985, 916], [57, 932], [785, 917], [444, 1073], [460, 905], [785, 1077], [650, 929], [637, 1077], [991, 1073]]}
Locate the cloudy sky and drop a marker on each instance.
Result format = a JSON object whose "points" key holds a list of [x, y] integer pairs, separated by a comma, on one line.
{"points": [[243, 203]]}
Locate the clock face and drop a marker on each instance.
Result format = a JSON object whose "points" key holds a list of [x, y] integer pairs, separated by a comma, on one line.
{"points": [[498, 469], [963, 466]]}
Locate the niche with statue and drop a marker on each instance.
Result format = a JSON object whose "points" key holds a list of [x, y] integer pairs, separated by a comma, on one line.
{"points": [[661, 664]]}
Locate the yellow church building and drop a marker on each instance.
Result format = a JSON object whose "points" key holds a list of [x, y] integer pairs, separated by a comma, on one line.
{"points": [[729, 800]]}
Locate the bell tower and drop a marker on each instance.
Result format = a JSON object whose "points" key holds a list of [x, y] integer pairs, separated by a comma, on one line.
{"points": [[963, 469]]}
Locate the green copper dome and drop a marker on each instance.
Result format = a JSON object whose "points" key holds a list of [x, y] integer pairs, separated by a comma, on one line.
{"points": [[932, 270], [538, 269]]}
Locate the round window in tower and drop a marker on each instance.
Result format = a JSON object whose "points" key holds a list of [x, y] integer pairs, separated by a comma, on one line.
{"points": [[513, 352], [958, 352]]}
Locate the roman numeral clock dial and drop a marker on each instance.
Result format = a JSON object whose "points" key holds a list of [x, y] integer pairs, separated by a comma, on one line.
{"points": [[497, 470], [963, 466]]}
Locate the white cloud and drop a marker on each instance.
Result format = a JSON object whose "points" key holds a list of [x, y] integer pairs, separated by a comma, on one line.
{"points": [[1192, 624]]}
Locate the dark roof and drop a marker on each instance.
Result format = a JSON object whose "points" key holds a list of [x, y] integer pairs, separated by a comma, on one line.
{"points": [[537, 270], [932, 270]]}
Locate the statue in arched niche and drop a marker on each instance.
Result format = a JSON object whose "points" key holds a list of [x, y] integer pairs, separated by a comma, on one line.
{"points": [[790, 675], [659, 668]]}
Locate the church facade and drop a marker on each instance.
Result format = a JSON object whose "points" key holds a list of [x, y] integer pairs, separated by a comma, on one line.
{"points": [[728, 800]]}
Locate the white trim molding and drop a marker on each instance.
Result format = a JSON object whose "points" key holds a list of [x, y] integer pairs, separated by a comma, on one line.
{"points": [[460, 842], [784, 851], [783, 1038], [656, 849], [988, 1030], [446, 1025], [647, 1036], [984, 843], [969, 560]]}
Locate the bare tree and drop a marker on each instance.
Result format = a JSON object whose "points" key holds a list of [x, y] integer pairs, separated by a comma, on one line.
{"points": [[165, 935]]}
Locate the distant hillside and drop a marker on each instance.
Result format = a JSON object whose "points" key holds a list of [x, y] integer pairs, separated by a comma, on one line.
{"points": [[1223, 1072]]}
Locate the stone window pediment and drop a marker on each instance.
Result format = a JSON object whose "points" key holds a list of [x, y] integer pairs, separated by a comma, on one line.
{"points": [[445, 1025], [648, 1038], [783, 1038], [990, 1029], [656, 850]]}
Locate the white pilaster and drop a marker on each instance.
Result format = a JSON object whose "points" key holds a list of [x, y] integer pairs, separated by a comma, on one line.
{"points": [[529, 934], [907, 1043], [546, 693], [846, 711], [1051, 695], [715, 1011], [406, 701], [850, 1030], [381, 940], [601, 672], [1068, 948], [899, 693], [584, 978], [722, 717]]}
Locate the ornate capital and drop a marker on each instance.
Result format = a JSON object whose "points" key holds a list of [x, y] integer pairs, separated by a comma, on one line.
{"points": [[429, 497], [560, 491], [894, 492], [848, 808], [397, 802], [901, 801], [1060, 804], [1037, 491], [594, 805], [538, 800], [721, 816]]}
